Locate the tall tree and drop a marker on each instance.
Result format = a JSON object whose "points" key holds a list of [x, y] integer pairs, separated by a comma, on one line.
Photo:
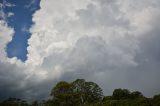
{"points": [[88, 91], [62, 94], [77, 93]]}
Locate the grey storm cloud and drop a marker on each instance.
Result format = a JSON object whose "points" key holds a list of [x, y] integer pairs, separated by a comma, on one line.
{"points": [[114, 43]]}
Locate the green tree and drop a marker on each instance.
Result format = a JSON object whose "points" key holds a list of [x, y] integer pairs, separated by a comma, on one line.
{"points": [[77, 93], [156, 100], [63, 94], [136, 94], [121, 94], [13, 102], [88, 92], [34, 103]]}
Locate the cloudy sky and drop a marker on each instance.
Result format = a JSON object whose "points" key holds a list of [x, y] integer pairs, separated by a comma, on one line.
{"points": [[115, 43]]}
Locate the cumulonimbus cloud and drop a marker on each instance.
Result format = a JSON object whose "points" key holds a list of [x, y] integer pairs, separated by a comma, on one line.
{"points": [[112, 42]]}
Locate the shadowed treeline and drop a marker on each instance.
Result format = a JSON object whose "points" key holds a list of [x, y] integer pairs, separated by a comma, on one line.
{"points": [[83, 93]]}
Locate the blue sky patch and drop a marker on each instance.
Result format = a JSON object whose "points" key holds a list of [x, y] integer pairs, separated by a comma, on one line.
{"points": [[21, 20]]}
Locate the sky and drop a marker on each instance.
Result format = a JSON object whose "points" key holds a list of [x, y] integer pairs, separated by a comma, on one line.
{"points": [[114, 43]]}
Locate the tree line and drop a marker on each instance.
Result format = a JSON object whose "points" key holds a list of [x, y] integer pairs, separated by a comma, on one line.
{"points": [[83, 93]]}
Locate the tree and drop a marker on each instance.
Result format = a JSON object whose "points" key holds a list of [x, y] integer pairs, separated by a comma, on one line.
{"points": [[61, 88], [77, 93], [136, 94], [34, 103], [13, 102], [156, 100], [62, 94], [121, 94], [87, 91]]}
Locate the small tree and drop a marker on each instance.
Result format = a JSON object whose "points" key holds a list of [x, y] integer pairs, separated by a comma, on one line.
{"points": [[34, 103], [121, 94], [156, 100], [136, 94]]}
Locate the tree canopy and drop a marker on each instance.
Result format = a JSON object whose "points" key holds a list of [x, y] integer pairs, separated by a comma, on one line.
{"points": [[86, 93], [78, 92]]}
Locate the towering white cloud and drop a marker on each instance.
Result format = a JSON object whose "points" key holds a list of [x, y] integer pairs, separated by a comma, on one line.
{"points": [[93, 36], [112, 42]]}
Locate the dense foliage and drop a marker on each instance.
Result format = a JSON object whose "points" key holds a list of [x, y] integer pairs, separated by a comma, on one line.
{"points": [[76, 93], [83, 93]]}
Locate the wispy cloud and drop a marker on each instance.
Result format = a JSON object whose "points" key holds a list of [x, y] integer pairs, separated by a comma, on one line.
{"points": [[32, 3], [7, 4], [10, 14], [24, 28], [3, 5]]}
